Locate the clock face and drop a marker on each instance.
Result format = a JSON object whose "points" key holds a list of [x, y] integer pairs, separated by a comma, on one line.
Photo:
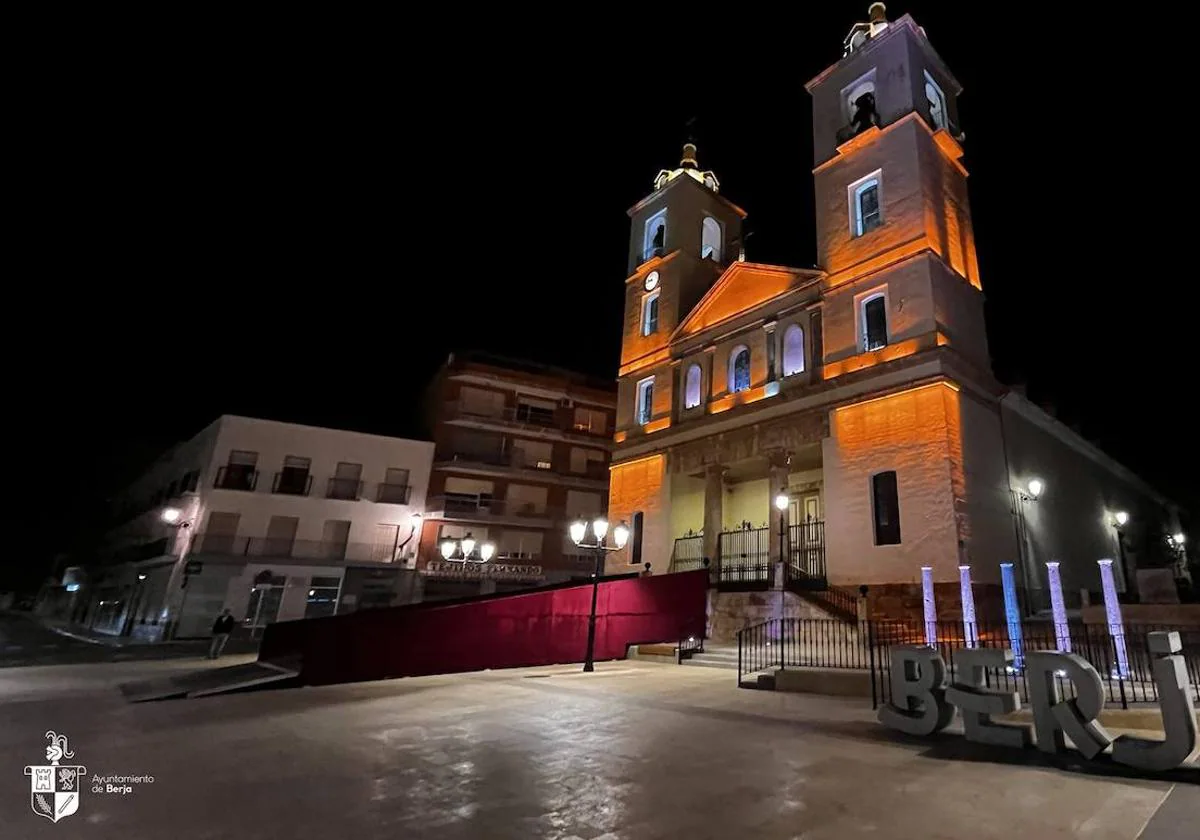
{"points": [[651, 281]]}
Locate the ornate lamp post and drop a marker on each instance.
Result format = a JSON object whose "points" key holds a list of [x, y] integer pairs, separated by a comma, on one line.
{"points": [[579, 533], [464, 550], [781, 505]]}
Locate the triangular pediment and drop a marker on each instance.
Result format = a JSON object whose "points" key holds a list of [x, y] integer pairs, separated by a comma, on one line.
{"points": [[743, 287]]}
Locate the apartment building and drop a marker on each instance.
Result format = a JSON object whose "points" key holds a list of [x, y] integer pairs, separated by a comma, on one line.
{"points": [[274, 521], [520, 449]]}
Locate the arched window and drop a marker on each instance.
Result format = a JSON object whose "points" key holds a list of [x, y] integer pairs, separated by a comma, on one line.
{"points": [[793, 350], [710, 242], [937, 102], [873, 322], [655, 237], [739, 369], [691, 387]]}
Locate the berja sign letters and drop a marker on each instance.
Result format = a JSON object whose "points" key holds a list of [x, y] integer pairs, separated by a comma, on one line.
{"points": [[921, 704]]}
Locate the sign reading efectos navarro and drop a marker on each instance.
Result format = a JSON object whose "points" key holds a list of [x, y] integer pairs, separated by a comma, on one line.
{"points": [[921, 703]]}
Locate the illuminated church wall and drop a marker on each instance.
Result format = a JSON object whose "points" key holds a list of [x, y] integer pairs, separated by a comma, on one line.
{"points": [[908, 433]]}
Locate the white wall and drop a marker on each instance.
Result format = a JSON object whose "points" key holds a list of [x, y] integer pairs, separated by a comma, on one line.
{"points": [[325, 447], [748, 500], [687, 505]]}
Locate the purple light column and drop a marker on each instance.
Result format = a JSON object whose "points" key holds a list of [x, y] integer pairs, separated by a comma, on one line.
{"points": [[1112, 610], [930, 607], [970, 630], [1062, 633]]}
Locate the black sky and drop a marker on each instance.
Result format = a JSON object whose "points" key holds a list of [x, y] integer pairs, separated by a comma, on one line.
{"points": [[300, 221]]}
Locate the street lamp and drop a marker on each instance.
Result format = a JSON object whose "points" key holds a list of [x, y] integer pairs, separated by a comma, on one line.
{"points": [[599, 527], [781, 505], [173, 517], [463, 550], [1035, 488], [1119, 520]]}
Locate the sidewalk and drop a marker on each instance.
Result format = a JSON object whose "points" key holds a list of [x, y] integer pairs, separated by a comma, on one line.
{"points": [[237, 643]]}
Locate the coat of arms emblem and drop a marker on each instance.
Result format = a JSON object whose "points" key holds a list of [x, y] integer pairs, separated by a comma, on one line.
{"points": [[54, 789]]}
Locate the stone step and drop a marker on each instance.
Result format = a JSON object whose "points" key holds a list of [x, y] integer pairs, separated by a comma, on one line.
{"points": [[723, 664]]}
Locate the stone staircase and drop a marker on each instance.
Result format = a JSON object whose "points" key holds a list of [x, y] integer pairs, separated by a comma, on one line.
{"points": [[715, 656]]}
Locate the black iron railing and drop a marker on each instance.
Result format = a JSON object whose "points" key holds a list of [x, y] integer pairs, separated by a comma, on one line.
{"points": [[291, 483], [806, 550], [394, 494], [745, 561], [236, 477], [688, 554], [283, 548], [1123, 658], [343, 488]]}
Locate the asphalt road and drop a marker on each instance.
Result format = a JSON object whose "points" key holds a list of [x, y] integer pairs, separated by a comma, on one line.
{"points": [[25, 642]]}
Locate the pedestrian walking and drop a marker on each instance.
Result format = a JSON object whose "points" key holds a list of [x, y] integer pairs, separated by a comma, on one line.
{"points": [[221, 629]]}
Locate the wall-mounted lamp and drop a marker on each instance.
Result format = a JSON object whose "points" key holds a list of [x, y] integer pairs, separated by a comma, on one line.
{"points": [[1035, 488]]}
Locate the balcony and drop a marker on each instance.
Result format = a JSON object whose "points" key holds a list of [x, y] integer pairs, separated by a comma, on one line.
{"points": [[315, 552], [481, 507], [349, 489], [236, 477], [527, 417], [291, 483], [392, 494]]}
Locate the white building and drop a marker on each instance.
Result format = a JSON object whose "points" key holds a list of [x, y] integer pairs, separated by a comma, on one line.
{"points": [[275, 521]]}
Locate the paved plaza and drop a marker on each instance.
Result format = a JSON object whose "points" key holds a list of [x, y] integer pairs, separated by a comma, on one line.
{"points": [[636, 750]]}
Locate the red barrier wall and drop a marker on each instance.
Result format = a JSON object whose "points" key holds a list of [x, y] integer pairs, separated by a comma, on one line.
{"points": [[537, 628]]}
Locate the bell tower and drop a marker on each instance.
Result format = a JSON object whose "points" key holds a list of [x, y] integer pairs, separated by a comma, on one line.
{"points": [[894, 229], [682, 238]]}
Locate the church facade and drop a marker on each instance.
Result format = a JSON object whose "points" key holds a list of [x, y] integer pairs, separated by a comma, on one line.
{"points": [[845, 419]]}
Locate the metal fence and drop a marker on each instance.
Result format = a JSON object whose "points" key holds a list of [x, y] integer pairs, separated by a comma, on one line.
{"points": [[688, 554], [1123, 659], [745, 560]]}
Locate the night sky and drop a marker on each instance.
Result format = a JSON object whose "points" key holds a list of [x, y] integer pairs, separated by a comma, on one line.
{"points": [[301, 228]]}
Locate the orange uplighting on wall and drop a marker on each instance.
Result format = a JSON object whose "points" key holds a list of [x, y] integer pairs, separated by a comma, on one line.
{"points": [[741, 288], [742, 398], [941, 383], [890, 353], [657, 425], [649, 360], [619, 437]]}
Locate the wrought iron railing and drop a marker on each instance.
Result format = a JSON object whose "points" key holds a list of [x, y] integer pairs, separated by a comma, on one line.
{"points": [[343, 488], [1122, 658], [236, 477], [394, 494], [744, 559], [284, 548], [688, 554], [806, 551], [291, 483]]}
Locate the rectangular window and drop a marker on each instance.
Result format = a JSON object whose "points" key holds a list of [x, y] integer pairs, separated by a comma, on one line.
{"points": [[645, 401], [535, 412], [866, 203], [635, 539], [590, 420], [293, 479], [650, 314], [240, 473], [885, 506], [478, 402], [335, 536], [589, 461], [525, 500], [346, 482], [532, 454]]}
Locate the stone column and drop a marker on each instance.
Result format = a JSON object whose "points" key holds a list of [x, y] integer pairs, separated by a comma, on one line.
{"points": [[777, 483], [714, 490]]}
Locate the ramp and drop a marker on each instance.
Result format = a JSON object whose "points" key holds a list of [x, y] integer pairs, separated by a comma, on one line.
{"points": [[209, 681]]}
